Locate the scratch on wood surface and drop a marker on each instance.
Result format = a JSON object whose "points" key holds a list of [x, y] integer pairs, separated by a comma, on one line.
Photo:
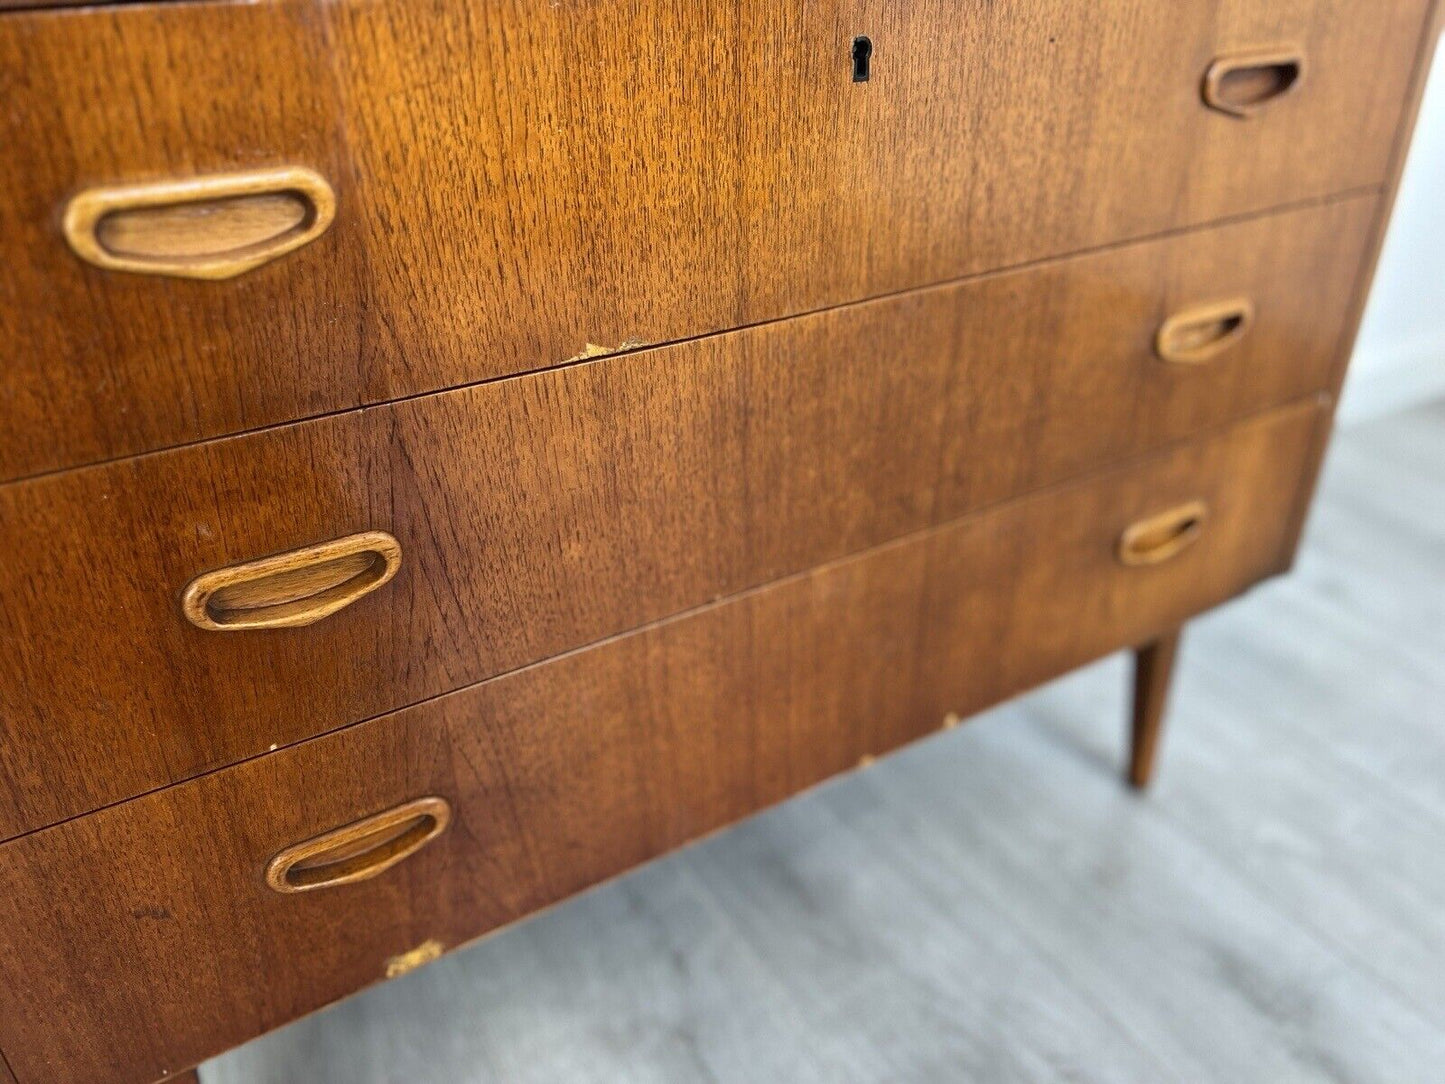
{"points": [[592, 350], [424, 953]]}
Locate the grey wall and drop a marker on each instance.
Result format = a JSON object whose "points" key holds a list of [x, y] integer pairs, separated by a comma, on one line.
{"points": [[1400, 357]]}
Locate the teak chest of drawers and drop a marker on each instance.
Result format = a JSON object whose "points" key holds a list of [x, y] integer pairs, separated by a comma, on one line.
{"points": [[452, 453]]}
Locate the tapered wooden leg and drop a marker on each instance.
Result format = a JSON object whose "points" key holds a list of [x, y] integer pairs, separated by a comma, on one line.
{"points": [[1153, 669]]}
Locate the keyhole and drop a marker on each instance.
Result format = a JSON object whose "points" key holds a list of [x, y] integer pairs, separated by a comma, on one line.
{"points": [[862, 55]]}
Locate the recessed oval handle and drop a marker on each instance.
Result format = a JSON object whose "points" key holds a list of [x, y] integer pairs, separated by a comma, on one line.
{"points": [[361, 850], [1243, 84], [1156, 539], [1202, 332], [292, 589], [203, 227]]}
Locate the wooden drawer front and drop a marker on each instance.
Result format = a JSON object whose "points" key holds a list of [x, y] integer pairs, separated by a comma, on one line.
{"points": [[528, 182], [539, 514], [565, 773]]}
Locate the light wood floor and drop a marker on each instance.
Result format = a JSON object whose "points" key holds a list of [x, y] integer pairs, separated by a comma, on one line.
{"points": [[992, 905]]}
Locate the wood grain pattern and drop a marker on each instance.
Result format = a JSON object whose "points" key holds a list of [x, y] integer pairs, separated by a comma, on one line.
{"points": [[859, 933], [566, 773], [519, 184], [37, 5], [543, 513]]}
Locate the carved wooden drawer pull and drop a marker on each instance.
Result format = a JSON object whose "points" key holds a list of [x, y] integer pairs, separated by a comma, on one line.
{"points": [[1205, 331], [1243, 84], [1156, 539], [292, 589], [359, 851], [203, 228]]}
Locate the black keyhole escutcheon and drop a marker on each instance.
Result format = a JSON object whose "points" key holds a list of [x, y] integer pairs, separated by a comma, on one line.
{"points": [[862, 58]]}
